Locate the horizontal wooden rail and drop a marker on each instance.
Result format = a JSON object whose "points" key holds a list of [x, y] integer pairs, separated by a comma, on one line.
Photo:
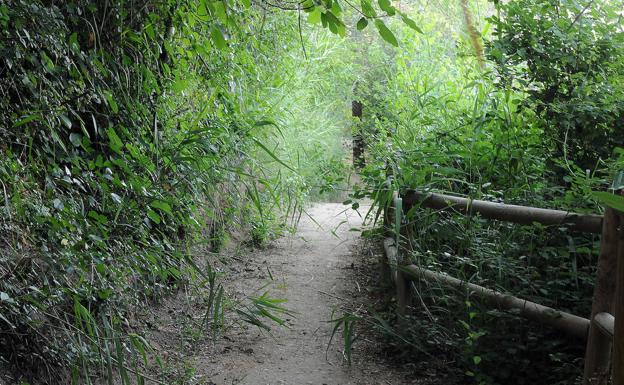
{"points": [[566, 322], [589, 223], [605, 323]]}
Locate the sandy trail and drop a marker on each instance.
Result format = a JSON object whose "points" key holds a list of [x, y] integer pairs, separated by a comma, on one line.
{"points": [[313, 270]]}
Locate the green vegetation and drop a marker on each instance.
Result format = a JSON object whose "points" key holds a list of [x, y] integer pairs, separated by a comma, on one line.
{"points": [[538, 125], [132, 133], [129, 132]]}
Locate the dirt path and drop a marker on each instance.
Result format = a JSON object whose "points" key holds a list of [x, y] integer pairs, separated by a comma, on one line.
{"points": [[314, 269]]}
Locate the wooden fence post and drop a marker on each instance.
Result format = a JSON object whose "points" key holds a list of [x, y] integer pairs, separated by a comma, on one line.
{"points": [[598, 351], [618, 338], [402, 282], [385, 273]]}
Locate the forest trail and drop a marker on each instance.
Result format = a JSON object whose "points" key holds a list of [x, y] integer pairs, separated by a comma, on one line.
{"points": [[315, 270]]}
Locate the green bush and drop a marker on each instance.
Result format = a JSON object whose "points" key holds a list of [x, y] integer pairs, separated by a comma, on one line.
{"points": [[566, 64]]}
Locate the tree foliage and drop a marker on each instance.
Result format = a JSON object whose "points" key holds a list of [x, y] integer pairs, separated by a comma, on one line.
{"points": [[564, 55]]}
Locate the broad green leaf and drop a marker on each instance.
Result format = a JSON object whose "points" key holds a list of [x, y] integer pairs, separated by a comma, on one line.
{"points": [[367, 8], [98, 217], [179, 85], [111, 102], [362, 23], [336, 9], [47, 62], [315, 16], [342, 29], [387, 7], [220, 11], [151, 214], [164, 206], [114, 141], [385, 33], [55, 136], [609, 199], [73, 42], [335, 25], [75, 139], [217, 37], [307, 5], [66, 121]]}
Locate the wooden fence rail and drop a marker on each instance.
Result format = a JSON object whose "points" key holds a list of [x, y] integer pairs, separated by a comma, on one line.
{"points": [[588, 223], [604, 330]]}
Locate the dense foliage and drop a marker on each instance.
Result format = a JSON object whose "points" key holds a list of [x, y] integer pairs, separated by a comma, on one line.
{"points": [[566, 62], [127, 129], [538, 125]]}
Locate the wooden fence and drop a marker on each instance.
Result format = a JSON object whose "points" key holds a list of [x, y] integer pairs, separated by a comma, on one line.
{"points": [[603, 330]]}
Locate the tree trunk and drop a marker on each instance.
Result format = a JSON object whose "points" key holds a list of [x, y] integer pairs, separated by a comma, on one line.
{"points": [[358, 138]]}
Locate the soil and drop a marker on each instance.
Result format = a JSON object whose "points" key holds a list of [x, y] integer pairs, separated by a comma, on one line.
{"points": [[321, 272]]}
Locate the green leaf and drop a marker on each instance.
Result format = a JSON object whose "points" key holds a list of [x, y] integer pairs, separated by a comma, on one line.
{"points": [[336, 9], [367, 8], [115, 142], [111, 102], [65, 120], [315, 16], [410, 23], [476, 360], [271, 154], [179, 85], [164, 206], [75, 139], [151, 214], [102, 219], [73, 42], [609, 199], [307, 6], [335, 25], [361, 24], [26, 119], [220, 11], [387, 7], [217, 37], [46, 61], [385, 33]]}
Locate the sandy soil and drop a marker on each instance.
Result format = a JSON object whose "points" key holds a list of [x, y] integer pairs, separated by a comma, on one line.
{"points": [[316, 270], [311, 266]]}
